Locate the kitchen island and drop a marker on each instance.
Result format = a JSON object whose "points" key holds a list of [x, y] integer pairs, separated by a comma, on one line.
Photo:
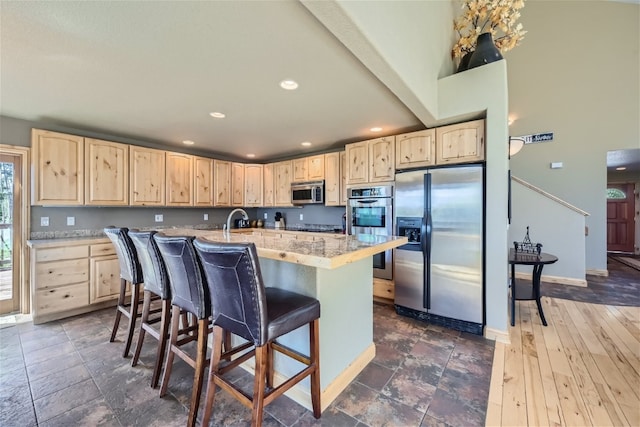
{"points": [[336, 270]]}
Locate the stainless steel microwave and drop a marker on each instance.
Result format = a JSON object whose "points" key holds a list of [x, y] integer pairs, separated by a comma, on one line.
{"points": [[307, 193]]}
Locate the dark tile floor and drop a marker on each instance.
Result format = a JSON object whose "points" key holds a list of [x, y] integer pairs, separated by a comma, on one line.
{"points": [[66, 373]]}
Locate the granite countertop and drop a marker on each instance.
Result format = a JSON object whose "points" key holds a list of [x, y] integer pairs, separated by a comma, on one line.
{"points": [[325, 251]]}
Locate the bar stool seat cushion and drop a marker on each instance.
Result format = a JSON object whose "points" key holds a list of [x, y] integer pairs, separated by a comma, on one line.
{"points": [[288, 310]]}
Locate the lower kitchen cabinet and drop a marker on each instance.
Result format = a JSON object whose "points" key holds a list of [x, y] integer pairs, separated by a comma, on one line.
{"points": [[72, 276], [383, 288]]}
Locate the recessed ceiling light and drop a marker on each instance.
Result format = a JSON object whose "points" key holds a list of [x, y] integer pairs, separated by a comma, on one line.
{"points": [[621, 168], [306, 144], [289, 85], [217, 115], [376, 129], [188, 142], [251, 155]]}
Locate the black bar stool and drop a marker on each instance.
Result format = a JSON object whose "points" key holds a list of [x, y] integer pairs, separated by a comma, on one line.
{"points": [[243, 306], [130, 272]]}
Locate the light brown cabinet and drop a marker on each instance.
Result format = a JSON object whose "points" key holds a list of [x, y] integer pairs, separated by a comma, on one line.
{"points": [[343, 178], [282, 178], [371, 161], [106, 173], [332, 179], [308, 168], [268, 185], [104, 273], [237, 184], [58, 168], [253, 175], [203, 181], [460, 143], [221, 183], [300, 169], [179, 179], [147, 176], [416, 149]]}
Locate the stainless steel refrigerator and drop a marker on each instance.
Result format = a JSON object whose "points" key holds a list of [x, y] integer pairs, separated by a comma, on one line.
{"points": [[439, 274]]}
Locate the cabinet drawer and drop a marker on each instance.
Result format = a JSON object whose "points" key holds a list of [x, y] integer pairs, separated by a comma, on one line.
{"points": [[62, 298], [383, 288], [52, 274], [66, 252], [101, 249]]}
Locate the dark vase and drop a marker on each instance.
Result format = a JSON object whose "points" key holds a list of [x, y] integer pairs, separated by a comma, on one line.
{"points": [[485, 53], [464, 61]]}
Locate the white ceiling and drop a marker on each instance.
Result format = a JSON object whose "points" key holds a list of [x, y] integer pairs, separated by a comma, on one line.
{"points": [[154, 71]]}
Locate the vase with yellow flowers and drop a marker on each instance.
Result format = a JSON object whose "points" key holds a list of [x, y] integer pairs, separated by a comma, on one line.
{"points": [[486, 29]]}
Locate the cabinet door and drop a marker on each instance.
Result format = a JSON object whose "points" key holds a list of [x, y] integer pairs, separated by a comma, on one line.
{"points": [[237, 184], [460, 143], [57, 162], [253, 185], [416, 149], [107, 173], [382, 164], [300, 169], [203, 185], [221, 183], [105, 279], [268, 185], [315, 167], [147, 176], [343, 178], [179, 179], [357, 164], [282, 171], [332, 179]]}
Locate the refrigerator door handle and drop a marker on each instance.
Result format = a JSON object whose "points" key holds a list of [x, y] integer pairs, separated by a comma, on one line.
{"points": [[426, 239]]}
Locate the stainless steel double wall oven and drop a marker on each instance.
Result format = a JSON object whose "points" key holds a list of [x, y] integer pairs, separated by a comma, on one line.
{"points": [[370, 211]]}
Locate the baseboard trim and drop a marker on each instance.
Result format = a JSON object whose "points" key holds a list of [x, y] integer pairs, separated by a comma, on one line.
{"points": [[555, 279], [300, 392], [596, 272], [497, 335]]}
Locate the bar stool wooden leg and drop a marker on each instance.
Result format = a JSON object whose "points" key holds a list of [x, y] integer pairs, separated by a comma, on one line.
{"points": [[116, 323], [146, 307], [314, 352], [133, 315], [213, 369], [201, 364], [258, 385], [165, 321], [173, 340]]}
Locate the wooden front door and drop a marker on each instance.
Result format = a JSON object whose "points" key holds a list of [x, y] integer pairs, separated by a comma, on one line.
{"points": [[620, 219]]}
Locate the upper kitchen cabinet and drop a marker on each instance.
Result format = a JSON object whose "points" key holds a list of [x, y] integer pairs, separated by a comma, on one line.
{"points": [[253, 175], [107, 173], [179, 179], [282, 179], [58, 166], [357, 163], [343, 178], [268, 185], [382, 159], [371, 161], [146, 176], [221, 183], [308, 168], [460, 143], [203, 181], [332, 179], [237, 184], [416, 149]]}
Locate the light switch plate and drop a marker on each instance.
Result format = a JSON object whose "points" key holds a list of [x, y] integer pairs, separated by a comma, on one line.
{"points": [[159, 218], [206, 217], [265, 215], [44, 221], [556, 165], [301, 217], [71, 220]]}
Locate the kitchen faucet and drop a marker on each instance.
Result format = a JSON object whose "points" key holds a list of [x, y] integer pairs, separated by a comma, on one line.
{"points": [[227, 226]]}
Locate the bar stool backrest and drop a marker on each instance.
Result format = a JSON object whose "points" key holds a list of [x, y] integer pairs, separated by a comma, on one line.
{"points": [[188, 290], [154, 271], [130, 269], [238, 298]]}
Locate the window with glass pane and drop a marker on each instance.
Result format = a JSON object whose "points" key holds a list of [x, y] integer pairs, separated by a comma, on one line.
{"points": [[615, 193]]}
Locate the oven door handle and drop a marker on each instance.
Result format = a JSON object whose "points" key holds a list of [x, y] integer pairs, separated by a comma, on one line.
{"points": [[367, 201]]}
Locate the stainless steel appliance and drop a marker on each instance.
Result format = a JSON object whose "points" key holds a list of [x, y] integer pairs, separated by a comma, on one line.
{"points": [[306, 193], [370, 211], [439, 274]]}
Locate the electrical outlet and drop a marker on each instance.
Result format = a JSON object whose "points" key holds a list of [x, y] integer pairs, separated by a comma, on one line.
{"points": [[265, 215], [71, 220], [206, 217], [159, 218], [44, 221], [301, 217]]}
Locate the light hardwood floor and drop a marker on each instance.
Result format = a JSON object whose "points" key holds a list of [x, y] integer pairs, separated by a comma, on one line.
{"points": [[581, 370]]}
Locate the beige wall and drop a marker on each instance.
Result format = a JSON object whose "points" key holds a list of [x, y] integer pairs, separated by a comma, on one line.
{"points": [[576, 74]]}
